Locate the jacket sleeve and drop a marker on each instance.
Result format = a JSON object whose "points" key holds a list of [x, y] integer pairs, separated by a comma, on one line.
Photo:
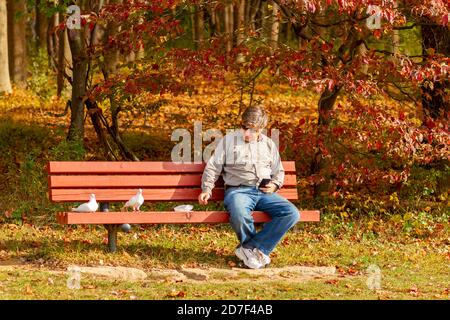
{"points": [[213, 167], [277, 174]]}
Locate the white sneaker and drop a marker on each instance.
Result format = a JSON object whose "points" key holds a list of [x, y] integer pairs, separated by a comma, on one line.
{"points": [[249, 257], [263, 258]]}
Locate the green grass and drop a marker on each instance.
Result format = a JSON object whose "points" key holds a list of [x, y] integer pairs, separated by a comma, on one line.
{"points": [[39, 284], [411, 268]]}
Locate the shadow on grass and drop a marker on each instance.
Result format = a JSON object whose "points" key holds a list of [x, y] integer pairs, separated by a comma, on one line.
{"points": [[86, 252]]}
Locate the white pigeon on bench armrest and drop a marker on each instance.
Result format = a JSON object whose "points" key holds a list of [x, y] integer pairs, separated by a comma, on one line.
{"points": [[135, 202], [90, 206]]}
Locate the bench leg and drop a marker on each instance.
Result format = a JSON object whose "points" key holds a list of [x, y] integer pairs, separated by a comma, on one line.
{"points": [[112, 229], [112, 236]]}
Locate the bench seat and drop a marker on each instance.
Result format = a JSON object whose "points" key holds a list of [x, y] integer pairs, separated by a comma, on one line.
{"points": [[74, 181], [167, 217]]}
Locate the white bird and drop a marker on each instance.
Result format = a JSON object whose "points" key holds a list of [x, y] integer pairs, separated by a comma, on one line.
{"points": [[135, 202], [90, 206]]}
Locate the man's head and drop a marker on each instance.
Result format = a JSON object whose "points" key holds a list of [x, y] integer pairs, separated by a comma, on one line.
{"points": [[254, 119]]}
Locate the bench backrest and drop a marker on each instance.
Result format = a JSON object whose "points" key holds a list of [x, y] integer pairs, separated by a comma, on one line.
{"points": [[71, 181]]}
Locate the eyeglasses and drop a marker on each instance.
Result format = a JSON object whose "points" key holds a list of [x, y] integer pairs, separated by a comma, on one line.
{"points": [[252, 130]]}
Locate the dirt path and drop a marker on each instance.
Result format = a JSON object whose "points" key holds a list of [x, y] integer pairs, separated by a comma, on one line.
{"points": [[235, 274]]}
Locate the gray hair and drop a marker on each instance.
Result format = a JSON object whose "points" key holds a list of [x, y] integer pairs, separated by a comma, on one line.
{"points": [[255, 116]]}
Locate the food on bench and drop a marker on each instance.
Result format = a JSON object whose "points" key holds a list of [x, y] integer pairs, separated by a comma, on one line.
{"points": [[184, 208], [135, 202], [90, 206]]}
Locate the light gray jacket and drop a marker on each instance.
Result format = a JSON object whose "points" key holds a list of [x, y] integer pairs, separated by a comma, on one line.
{"points": [[243, 163]]}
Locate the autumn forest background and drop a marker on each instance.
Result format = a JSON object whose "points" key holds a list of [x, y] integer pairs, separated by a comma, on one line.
{"points": [[362, 108]]}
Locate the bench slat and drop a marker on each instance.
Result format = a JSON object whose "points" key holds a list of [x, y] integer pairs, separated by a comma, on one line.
{"points": [[168, 217], [141, 181], [169, 194], [110, 167]]}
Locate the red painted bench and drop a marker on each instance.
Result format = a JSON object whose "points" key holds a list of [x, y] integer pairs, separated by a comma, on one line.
{"points": [[161, 181]]}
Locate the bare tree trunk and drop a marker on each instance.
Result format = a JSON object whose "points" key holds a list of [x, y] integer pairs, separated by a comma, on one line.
{"points": [[98, 121], [240, 22], [5, 83], [275, 27], [40, 25], [80, 64], [67, 55], [395, 47], [289, 32], [229, 19], [199, 26], [17, 45], [52, 39], [61, 63], [214, 20], [435, 102], [247, 11], [255, 8]]}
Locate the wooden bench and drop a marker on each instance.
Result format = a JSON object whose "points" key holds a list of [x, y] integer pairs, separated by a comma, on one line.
{"points": [[161, 181]]}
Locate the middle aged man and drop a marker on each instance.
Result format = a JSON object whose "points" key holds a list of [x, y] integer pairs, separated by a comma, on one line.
{"points": [[245, 157]]}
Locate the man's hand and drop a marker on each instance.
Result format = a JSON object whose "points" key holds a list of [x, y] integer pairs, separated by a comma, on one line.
{"points": [[203, 198], [269, 188]]}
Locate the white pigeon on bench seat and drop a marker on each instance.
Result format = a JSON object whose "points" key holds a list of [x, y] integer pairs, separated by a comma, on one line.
{"points": [[90, 206], [135, 202]]}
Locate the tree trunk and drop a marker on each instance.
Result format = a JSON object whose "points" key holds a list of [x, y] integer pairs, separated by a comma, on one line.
{"points": [[98, 121], [326, 103], [240, 22], [52, 41], [80, 63], [229, 19], [247, 10], [40, 25], [275, 30], [265, 23], [5, 83], [254, 9], [435, 102], [61, 62], [214, 20], [198, 26], [17, 45]]}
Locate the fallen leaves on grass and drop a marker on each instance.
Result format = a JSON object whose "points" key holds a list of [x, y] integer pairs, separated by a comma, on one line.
{"points": [[89, 286], [232, 264], [176, 294], [28, 289], [349, 271], [414, 291]]}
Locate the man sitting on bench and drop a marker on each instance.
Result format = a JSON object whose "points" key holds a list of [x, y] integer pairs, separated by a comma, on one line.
{"points": [[252, 173]]}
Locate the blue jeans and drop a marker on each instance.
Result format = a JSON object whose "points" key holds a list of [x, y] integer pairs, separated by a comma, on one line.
{"points": [[241, 201]]}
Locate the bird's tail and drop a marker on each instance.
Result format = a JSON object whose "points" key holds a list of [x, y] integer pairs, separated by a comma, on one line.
{"points": [[74, 209]]}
